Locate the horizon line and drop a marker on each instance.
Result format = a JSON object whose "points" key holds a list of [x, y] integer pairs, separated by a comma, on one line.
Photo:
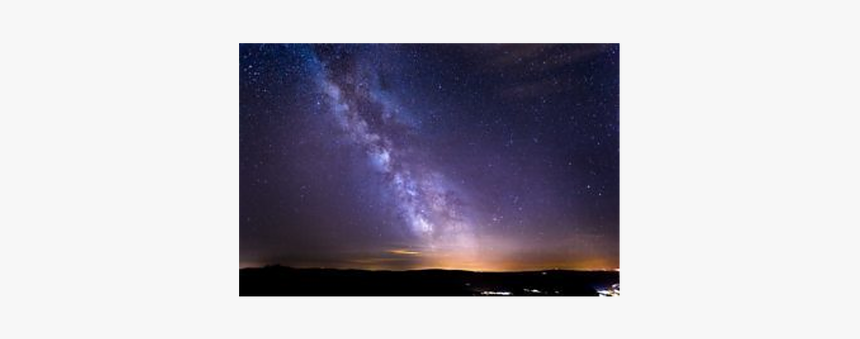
{"points": [[436, 269]]}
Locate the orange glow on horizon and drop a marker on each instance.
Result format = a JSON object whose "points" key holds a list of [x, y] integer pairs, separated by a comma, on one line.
{"points": [[403, 259]]}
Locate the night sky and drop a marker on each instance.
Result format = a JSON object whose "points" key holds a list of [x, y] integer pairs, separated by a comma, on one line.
{"points": [[479, 157]]}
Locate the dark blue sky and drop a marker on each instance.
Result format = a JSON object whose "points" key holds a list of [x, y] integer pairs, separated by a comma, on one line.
{"points": [[486, 157]]}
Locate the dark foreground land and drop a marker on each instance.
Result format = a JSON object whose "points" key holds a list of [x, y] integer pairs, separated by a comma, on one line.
{"points": [[285, 281]]}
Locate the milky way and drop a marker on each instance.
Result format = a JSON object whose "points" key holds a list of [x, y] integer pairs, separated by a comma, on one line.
{"points": [[490, 157], [426, 202]]}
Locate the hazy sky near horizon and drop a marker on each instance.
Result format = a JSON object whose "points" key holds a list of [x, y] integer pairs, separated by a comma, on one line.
{"points": [[481, 157]]}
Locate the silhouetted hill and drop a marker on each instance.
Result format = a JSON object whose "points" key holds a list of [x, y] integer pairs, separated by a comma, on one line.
{"points": [[286, 281]]}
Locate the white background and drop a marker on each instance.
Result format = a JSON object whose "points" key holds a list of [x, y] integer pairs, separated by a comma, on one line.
{"points": [[119, 169]]}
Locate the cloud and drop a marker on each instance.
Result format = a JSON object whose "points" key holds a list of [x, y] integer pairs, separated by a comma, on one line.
{"points": [[403, 252]]}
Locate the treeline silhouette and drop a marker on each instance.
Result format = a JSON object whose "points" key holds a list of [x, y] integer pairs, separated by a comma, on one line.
{"points": [[287, 281]]}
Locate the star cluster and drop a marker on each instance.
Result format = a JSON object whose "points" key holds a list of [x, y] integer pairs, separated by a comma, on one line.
{"points": [[483, 157]]}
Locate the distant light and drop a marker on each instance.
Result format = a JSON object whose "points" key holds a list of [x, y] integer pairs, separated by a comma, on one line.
{"points": [[495, 293], [613, 291]]}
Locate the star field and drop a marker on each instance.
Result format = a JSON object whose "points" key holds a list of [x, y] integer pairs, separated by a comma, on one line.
{"points": [[481, 157]]}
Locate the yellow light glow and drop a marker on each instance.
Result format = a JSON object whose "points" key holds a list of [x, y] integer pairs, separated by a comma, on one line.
{"points": [[403, 252]]}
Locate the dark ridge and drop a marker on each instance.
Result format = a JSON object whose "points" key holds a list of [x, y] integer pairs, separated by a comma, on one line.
{"points": [[286, 281]]}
